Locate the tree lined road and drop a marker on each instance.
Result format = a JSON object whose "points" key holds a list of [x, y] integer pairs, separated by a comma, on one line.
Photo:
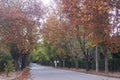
{"points": [[39, 72]]}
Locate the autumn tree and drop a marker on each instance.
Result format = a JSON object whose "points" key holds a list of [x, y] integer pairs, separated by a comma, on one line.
{"points": [[53, 33], [20, 30], [100, 27], [73, 11], [90, 25]]}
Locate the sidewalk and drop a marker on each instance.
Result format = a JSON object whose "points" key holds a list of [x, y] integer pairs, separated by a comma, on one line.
{"points": [[110, 74]]}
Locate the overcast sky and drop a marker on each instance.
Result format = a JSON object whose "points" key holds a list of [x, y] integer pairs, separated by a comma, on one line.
{"points": [[46, 2]]}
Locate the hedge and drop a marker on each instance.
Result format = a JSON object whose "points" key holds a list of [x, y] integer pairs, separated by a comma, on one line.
{"points": [[114, 64]]}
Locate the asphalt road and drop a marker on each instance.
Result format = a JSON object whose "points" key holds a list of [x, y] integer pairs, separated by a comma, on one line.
{"points": [[38, 72]]}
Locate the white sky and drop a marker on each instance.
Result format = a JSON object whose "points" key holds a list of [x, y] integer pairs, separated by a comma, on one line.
{"points": [[46, 2]]}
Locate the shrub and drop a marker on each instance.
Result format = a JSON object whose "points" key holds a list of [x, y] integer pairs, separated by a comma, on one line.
{"points": [[8, 67], [4, 58]]}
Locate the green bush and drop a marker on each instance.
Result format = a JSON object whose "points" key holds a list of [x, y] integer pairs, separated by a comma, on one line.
{"points": [[81, 63], [114, 64], [8, 67], [4, 58]]}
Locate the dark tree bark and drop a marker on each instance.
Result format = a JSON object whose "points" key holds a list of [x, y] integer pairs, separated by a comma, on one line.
{"points": [[15, 55], [87, 64], [88, 60], [76, 62], [16, 64], [25, 62]]}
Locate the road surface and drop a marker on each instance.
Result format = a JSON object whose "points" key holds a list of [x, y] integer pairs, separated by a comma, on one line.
{"points": [[38, 72]]}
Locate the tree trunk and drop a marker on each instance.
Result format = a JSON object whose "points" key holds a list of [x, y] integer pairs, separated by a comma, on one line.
{"points": [[97, 61], [87, 64], [106, 61], [16, 58], [63, 63], [76, 63], [25, 60], [16, 64], [106, 64]]}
